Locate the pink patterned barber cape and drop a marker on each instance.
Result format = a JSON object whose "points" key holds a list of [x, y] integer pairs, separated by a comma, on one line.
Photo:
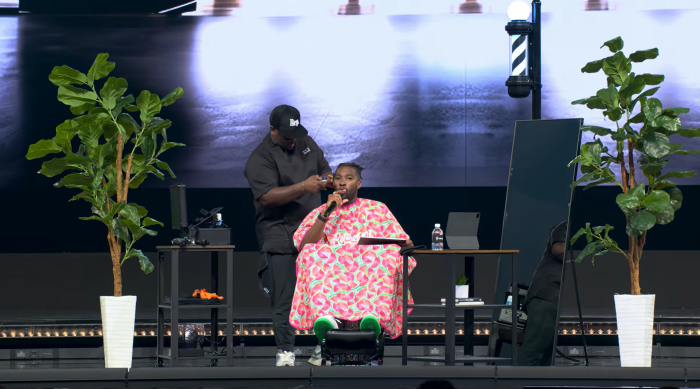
{"points": [[338, 277]]}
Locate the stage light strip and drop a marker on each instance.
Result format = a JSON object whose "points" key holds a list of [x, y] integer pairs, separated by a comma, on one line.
{"points": [[265, 329]]}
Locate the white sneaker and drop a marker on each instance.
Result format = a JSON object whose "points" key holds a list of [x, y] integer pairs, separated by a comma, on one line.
{"points": [[317, 358], [285, 358]]}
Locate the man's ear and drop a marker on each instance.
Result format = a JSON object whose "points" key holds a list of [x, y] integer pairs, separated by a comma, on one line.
{"points": [[359, 184], [272, 128]]}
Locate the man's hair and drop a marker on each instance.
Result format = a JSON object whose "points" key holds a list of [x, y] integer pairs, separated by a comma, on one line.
{"points": [[358, 168], [436, 384]]}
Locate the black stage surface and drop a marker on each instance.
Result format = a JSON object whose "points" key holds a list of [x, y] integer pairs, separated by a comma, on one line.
{"points": [[349, 377]]}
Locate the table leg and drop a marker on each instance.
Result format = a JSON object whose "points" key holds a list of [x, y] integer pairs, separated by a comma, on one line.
{"points": [[514, 310], [469, 313], [160, 292], [450, 314], [404, 316], [468, 334], [213, 339], [174, 307], [229, 307]]}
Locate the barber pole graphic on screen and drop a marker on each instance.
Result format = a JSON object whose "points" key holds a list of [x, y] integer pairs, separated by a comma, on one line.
{"points": [[518, 58]]}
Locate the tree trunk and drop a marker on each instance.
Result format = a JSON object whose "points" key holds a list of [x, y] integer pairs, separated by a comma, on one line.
{"points": [[634, 279], [634, 255], [115, 253]]}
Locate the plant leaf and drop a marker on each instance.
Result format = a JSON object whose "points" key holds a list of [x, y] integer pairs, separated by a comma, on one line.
{"points": [[64, 75], [43, 148], [168, 145], [654, 168], [591, 248], [656, 144], [675, 111], [657, 200], [150, 222], [643, 221], [171, 97], [652, 79], [144, 262], [646, 93], [602, 131], [652, 109], [671, 124], [90, 134], [75, 97], [100, 68], [615, 44], [55, 167], [136, 181], [77, 180], [617, 67], [642, 55], [166, 167], [614, 114], [149, 105], [592, 102], [633, 87], [675, 196], [81, 109], [687, 173], [689, 132], [665, 216], [112, 90], [590, 154], [629, 201], [608, 96], [64, 134], [131, 213], [592, 67]]}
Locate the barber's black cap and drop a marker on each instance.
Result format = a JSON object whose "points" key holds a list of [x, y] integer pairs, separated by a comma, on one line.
{"points": [[286, 120]]}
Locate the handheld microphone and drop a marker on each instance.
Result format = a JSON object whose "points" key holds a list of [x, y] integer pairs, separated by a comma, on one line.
{"points": [[332, 207]]}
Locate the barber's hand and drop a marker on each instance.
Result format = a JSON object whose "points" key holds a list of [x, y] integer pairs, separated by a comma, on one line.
{"points": [[314, 184], [335, 198], [408, 243], [329, 182]]}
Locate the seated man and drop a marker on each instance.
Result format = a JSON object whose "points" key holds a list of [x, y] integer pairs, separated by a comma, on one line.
{"points": [[336, 278]]}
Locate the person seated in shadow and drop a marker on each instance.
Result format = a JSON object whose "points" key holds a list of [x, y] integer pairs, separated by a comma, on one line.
{"points": [[436, 384], [339, 280], [542, 301]]}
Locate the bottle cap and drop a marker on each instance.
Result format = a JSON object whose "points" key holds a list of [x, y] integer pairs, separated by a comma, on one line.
{"points": [[437, 225]]}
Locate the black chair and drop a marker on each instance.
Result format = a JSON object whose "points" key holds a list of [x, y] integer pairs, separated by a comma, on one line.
{"points": [[352, 347]]}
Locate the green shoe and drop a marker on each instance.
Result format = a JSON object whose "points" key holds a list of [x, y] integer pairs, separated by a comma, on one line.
{"points": [[371, 323], [323, 324]]}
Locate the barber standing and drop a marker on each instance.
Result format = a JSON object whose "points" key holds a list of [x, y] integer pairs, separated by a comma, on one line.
{"points": [[284, 172]]}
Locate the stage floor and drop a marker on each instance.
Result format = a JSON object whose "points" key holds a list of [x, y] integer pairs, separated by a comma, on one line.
{"points": [[351, 377]]}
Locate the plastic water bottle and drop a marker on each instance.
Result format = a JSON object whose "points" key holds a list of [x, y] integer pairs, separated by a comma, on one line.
{"points": [[437, 237]]}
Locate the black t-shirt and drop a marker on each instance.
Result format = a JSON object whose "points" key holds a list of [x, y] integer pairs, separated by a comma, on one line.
{"points": [[547, 278], [269, 167]]}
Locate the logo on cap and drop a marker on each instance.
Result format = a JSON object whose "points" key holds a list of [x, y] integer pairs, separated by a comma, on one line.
{"points": [[293, 122]]}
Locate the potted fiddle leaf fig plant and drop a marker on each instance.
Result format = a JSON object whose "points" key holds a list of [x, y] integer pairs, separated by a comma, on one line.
{"points": [[105, 153], [641, 138]]}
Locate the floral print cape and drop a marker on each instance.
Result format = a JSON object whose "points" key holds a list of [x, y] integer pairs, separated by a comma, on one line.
{"points": [[337, 277]]}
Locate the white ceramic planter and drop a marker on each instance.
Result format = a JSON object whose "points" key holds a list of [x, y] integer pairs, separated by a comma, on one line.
{"points": [[118, 316], [635, 325], [461, 291]]}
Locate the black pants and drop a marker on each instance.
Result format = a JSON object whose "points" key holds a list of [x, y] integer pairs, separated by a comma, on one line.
{"points": [[538, 338], [284, 279]]}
